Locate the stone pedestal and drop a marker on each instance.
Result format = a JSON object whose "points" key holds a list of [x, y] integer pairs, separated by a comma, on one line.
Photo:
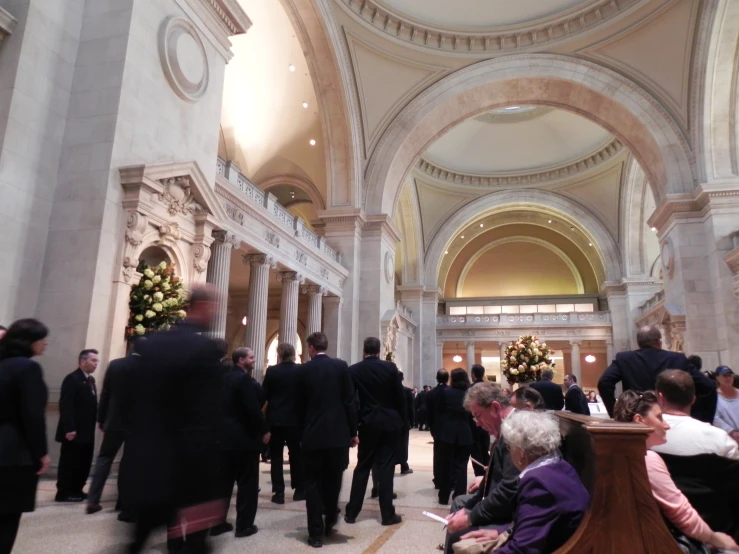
{"points": [[219, 271], [256, 313], [315, 308], [289, 306]]}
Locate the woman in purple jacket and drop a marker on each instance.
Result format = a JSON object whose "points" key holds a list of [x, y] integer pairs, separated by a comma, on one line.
{"points": [[551, 500]]}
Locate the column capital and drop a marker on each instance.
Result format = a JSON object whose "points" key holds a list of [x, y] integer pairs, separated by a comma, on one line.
{"points": [[226, 238], [259, 259], [290, 276], [314, 289], [469, 343], [575, 342]]}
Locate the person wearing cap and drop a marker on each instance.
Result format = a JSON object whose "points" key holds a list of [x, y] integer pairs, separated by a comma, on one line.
{"points": [[727, 408]]}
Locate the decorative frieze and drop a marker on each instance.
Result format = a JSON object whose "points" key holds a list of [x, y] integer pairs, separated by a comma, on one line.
{"points": [[178, 197]]}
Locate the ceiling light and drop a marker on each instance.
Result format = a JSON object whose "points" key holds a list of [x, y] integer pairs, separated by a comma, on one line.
{"points": [[654, 229], [462, 236], [590, 244], [446, 251], [481, 225], [305, 104], [312, 142], [291, 67], [550, 221], [243, 321], [590, 358], [456, 359], [513, 108]]}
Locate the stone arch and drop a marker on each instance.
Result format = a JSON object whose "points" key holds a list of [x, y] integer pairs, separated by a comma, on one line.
{"points": [[301, 183], [330, 67], [534, 200], [634, 220], [583, 87], [173, 250], [412, 243]]}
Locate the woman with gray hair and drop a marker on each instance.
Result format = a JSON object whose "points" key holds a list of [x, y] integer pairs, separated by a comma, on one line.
{"points": [[551, 500]]}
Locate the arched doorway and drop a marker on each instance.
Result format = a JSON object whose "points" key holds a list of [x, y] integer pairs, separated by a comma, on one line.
{"points": [[272, 350]]}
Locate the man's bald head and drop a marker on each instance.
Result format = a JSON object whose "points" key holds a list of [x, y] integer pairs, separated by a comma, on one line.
{"points": [[649, 337]]}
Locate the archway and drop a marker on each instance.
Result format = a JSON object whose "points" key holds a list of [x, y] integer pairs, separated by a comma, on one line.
{"points": [[590, 90]]}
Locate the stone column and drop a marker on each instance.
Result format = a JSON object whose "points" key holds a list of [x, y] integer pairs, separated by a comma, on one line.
{"points": [[219, 270], [289, 306], [609, 351], [470, 354], [315, 308], [576, 370], [439, 358], [256, 312], [332, 324]]}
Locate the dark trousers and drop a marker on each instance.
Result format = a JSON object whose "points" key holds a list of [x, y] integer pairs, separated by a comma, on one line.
{"points": [[405, 439], [8, 531], [75, 461], [323, 471], [375, 449], [437, 478], [242, 468], [282, 436], [112, 442], [453, 460], [152, 517], [480, 451]]}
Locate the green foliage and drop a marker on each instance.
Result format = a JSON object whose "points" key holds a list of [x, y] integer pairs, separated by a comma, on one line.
{"points": [[525, 359], [157, 302]]}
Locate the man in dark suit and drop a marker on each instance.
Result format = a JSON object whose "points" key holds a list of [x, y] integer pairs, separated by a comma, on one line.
{"points": [[410, 423], [420, 406], [171, 463], [78, 406], [115, 400], [550, 392], [637, 370], [481, 445], [280, 391], [327, 414], [575, 399], [442, 378], [381, 414], [245, 432]]}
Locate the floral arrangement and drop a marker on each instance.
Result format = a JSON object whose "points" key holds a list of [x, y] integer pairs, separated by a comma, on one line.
{"points": [[525, 359], [390, 357], [156, 302]]}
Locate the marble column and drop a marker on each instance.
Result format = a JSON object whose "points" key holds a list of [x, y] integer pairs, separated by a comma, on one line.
{"points": [[609, 351], [256, 312], [219, 271], [576, 370], [289, 306], [470, 354], [315, 308], [332, 325], [439, 360]]}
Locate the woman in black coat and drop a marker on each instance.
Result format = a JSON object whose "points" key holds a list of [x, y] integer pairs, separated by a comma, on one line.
{"points": [[23, 451], [454, 436]]}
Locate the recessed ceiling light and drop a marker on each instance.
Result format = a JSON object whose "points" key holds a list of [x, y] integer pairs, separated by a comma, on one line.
{"points": [[590, 244], [446, 251], [481, 225], [654, 229], [462, 236], [243, 321], [550, 221], [312, 142], [291, 67], [305, 104], [572, 228]]}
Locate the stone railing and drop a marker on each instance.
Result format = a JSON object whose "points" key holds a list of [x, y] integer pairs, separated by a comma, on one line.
{"points": [[277, 211], [509, 320], [652, 302]]}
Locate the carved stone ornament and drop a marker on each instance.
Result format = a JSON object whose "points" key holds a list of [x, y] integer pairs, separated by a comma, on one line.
{"points": [[301, 257], [234, 213], [136, 225], [169, 234], [389, 267], [224, 237], [200, 257], [184, 59], [272, 238], [324, 273], [314, 289], [178, 197], [260, 259], [668, 258]]}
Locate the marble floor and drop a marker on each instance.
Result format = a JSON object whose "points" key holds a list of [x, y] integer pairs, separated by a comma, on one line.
{"points": [[63, 528]]}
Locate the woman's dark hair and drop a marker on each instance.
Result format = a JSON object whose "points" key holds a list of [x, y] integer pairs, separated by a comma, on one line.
{"points": [[459, 379], [631, 403], [20, 337]]}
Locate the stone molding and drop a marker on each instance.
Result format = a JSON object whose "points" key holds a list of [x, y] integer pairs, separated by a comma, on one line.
{"points": [[505, 40], [7, 24], [696, 205], [260, 259], [224, 237], [585, 163], [383, 225], [169, 34], [732, 260], [622, 288], [301, 183]]}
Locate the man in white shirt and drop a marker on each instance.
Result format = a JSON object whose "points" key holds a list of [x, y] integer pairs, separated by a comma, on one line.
{"points": [[688, 436]]}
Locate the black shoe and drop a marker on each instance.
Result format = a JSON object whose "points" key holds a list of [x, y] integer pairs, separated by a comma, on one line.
{"points": [[349, 519], [221, 528], [93, 509], [278, 498], [406, 471], [328, 525], [126, 517], [299, 495], [69, 498], [248, 532], [315, 542], [374, 494], [393, 520]]}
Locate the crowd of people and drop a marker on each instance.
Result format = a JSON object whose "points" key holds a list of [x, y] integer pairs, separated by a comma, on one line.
{"points": [[192, 424]]}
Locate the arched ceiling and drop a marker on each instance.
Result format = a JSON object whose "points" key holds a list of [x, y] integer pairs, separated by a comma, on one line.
{"points": [[479, 14]]}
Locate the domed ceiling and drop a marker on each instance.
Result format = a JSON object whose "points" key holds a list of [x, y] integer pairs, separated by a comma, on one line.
{"points": [[479, 14], [518, 139]]}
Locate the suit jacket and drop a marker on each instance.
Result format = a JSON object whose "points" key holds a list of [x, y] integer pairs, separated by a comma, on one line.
{"points": [[326, 407], [638, 369], [23, 397], [576, 401], [494, 498], [245, 423], [380, 393], [409, 408], [420, 401], [78, 406], [550, 504], [279, 389], [431, 406], [453, 423], [551, 393], [115, 399]]}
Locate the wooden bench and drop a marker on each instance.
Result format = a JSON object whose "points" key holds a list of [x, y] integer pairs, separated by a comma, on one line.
{"points": [[623, 517]]}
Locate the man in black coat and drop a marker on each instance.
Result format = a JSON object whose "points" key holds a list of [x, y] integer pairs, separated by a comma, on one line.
{"points": [[442, 378], [280, 391], [78, 406], [115, 400], [481, 445], [381, 420], [550, 392], [327, 415], [420, 406], [410, 423], [575, 399], [245, 431], [637, 370]]}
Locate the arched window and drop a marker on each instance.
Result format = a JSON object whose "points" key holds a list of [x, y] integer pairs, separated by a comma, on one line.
{"points": [[272, 351]]}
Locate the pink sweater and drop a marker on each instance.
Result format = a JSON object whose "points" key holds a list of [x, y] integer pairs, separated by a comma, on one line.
{"points": [[672, 502]]}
